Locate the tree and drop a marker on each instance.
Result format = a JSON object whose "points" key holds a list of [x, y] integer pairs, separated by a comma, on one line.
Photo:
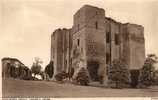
{"points": [[82, 77], [36, 67], [156, 77], [118, 73], [12, 71], [50, 69], [148, 70]]}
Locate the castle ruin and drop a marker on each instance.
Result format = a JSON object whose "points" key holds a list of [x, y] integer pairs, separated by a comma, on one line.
{"points": [[94, 41]]}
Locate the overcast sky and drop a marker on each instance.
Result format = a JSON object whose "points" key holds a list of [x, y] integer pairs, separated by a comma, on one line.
{"points": [[26, 25]]}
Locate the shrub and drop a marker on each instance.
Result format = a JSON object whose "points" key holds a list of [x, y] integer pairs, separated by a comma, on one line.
{"points": [[82, 77], [147, 71], [60, 76], [156, 77], [145, 76], [118, 73]]}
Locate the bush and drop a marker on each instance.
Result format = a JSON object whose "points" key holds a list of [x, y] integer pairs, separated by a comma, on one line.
{"points": [[61, 76], [156, 77], [118, 73], [148, 70], [146, 76], [82, 77]]}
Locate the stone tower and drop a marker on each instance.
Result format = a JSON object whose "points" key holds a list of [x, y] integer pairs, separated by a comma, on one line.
{"points": [[88, 37], [61, 49]]}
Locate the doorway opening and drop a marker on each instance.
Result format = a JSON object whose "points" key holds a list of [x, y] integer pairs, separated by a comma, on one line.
{"points": [[134, 77], [93, 67]]}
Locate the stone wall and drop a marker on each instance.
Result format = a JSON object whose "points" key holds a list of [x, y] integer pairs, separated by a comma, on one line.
{"points": [[113, 46], [133, 45], [136, 46], [56, 50], [61, 49]]}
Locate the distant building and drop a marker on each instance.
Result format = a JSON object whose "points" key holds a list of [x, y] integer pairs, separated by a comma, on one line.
{"points": [[94, 41], [14, 68]]}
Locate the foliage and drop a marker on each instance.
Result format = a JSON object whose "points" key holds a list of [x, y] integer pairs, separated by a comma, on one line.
{"points": [[25, 73], [148, 70], [61, 76], [13, 71], [21, 72], [36, 67], [50, 69], [82, 77], [118, 73], [156, 77]]}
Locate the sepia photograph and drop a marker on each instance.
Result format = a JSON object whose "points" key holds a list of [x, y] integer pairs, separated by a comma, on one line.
{"points": [[79, 49]]}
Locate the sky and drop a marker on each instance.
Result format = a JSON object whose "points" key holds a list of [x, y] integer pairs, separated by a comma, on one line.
{"points": [[26, 25]]}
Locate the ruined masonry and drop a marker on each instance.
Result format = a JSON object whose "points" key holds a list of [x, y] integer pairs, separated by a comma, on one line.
{"points": [[94, 41]]}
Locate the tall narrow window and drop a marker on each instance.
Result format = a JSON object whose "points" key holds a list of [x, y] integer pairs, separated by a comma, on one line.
{"points": [[117, 39], [78, 42], [108, 58], [66, 63], [108, 37], [96, 25]]}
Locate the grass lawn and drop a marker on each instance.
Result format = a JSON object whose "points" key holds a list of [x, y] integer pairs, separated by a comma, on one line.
{"points": [[22, 88]]}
